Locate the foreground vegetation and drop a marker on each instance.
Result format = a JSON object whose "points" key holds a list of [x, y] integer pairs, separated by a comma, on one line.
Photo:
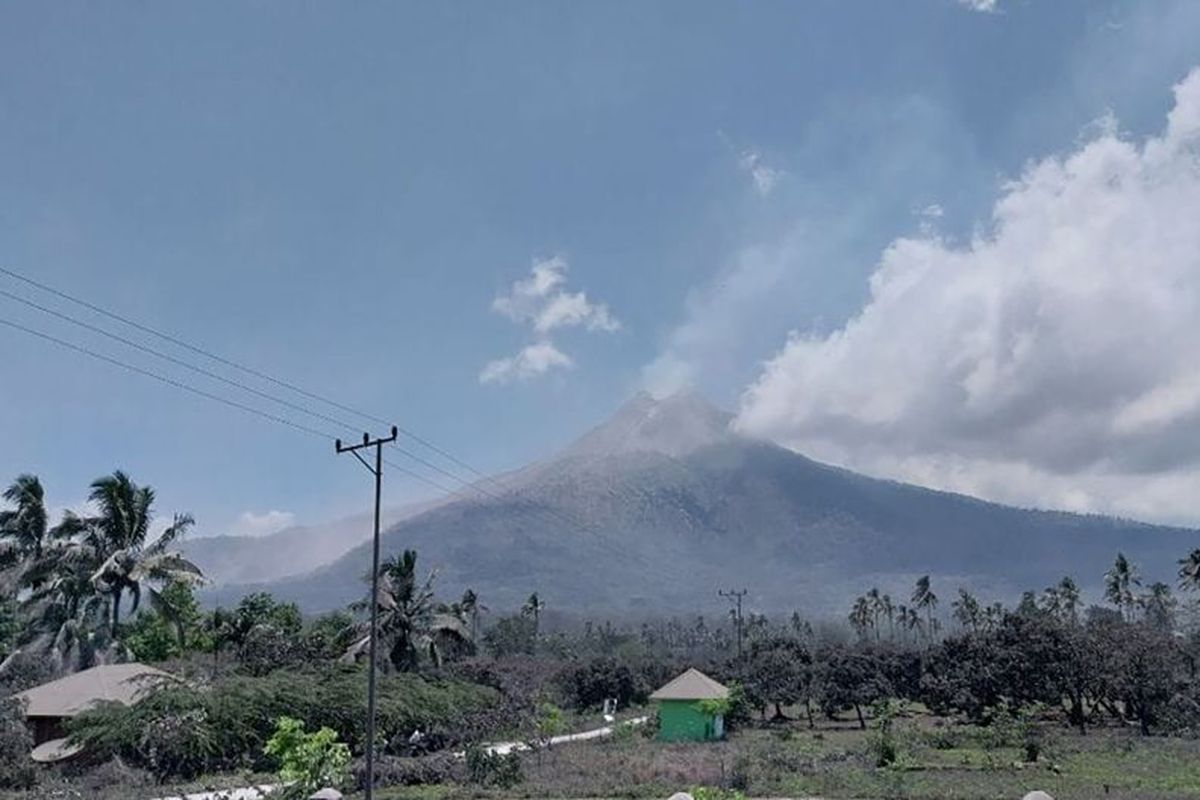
{"points": [[900, 700]]}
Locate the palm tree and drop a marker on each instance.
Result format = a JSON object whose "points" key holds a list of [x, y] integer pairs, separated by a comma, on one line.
{"points": [[1118, 586], [875, 599], [1158, 605], [924, 598], [24, 528], [534, 607], [1189, 571], [470, 608], [123, 524], [967, 611], [860, 616], [1066, 594], [410, 626]]}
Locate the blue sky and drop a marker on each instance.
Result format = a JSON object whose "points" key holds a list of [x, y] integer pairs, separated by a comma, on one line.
{"points": [[338, 194]]}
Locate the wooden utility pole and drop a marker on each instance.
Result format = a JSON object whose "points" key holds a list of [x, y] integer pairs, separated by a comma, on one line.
{"points": [[377, 471]]}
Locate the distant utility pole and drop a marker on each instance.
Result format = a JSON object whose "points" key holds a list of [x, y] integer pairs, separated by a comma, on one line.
{"points": [[377, 471], [736, 597]]}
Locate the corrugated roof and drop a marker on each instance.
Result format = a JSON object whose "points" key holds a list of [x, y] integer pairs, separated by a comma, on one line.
{"points": [[68, 696], [692, 685]]}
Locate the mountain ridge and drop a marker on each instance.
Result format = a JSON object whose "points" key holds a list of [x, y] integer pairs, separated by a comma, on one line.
{"points": [[661, 504]]}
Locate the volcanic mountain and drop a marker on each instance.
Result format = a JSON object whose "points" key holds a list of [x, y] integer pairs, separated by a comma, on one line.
{"points": [[663, 504]]}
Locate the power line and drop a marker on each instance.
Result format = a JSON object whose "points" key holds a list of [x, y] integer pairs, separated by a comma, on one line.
{"points": [[178, 384], [236, 365], [200, 393]]}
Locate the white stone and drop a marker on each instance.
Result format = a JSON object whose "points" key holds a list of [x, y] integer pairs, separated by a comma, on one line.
{"points": [[680, 796], [1038, 795], [327, 794]]}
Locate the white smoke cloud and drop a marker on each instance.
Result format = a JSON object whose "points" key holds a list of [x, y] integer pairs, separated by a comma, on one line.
{"points": [[1051, 360]]}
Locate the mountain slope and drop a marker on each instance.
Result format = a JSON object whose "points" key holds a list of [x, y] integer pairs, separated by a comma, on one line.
{"points": [[292, 551], [663, 505]]}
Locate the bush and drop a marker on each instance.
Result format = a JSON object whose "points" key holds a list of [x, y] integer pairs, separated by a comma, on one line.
{"points": [[590, 684], [486, 768], [16, 770], [307, 761], [182, 731], [393, 771]]}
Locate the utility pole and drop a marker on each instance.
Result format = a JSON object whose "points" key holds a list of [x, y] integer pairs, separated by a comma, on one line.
{"points": [[377, 471], [736, 596]]}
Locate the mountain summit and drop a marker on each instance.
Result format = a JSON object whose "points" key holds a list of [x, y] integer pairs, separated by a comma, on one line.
{"points": [[673, 426], [661, 505]]}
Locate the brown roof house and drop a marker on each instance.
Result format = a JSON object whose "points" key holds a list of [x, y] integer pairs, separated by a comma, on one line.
{"points": [[49, 706], [683, 714]]}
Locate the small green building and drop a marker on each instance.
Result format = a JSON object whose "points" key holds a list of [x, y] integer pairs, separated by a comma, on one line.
{"points": [[681, 714]]}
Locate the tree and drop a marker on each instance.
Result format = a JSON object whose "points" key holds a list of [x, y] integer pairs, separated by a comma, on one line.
{"points": [[860, 616], [470, 608], [777, 672], [1189, 571], [24, 528], [924, 599], [967, 611], [409, 626], [533, 608], [126, 511], [1158, 607], [1119, 583]]}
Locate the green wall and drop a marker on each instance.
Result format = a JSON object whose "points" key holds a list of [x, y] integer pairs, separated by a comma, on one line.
{"points": [[683, 721]]}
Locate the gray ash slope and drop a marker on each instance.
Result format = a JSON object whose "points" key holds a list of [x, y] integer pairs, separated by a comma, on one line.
{"points": [[662, 504]]}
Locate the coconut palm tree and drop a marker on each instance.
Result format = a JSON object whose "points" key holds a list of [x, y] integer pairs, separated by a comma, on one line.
{"points": [[877, 610], [923, 598], [1119, 583], [860, 616], [410, 626], [967, 611], [1189, 571], [1158, 606], [469, 609], [122, 526], [23, 528], [534, 607]]}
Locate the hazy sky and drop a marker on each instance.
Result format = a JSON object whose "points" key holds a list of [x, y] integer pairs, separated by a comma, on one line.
{"points": [[953, 242]]}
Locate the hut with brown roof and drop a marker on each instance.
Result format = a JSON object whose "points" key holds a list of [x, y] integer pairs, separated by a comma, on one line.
{"points": [[49, 706]]}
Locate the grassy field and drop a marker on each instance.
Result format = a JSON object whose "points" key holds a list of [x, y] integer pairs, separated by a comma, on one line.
{"points": [[936, 762]]}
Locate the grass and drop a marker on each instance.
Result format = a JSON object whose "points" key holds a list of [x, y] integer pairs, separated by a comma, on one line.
{"points": [[946, 762]]}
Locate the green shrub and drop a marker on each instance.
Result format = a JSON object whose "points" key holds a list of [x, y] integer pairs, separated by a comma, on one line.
{"points": [[486, 768], [16, 770], [181, 730], [307, 761]]}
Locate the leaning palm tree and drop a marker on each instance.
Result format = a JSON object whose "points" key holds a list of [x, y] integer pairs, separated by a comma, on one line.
{"points": [[410, 626], [23, 529], [122, 526], [1189, 571], [1119, 583]]}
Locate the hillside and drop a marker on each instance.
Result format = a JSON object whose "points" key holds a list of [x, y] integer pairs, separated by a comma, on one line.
{"points": [[662, 505]]}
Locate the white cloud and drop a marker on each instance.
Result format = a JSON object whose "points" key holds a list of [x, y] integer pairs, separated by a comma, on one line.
{"points": [[983, 6], [542, 302], [249, 523], [764, 177], [531, 361], [1051, 360]]}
